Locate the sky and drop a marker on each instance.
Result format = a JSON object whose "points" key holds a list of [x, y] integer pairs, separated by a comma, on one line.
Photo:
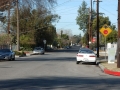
{"points": [[67, 9]]}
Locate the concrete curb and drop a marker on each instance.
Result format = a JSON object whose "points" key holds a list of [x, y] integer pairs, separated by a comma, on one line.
{"points": [[23, 55], [101, 67], [107, 71]]}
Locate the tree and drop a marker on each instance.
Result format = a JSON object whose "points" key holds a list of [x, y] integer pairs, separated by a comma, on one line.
{"points": [[83, 17], [102, 21], [35, 25], [76, 39], [112, 37]]}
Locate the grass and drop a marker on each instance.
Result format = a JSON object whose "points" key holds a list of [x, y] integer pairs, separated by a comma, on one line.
{"points": [[110, 66]]}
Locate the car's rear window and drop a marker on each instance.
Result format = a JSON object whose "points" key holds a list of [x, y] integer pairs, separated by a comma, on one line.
{"points": [[86, 51]]}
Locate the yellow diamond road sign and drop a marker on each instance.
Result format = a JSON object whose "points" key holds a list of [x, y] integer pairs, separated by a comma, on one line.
{"points": [[105, 30]]}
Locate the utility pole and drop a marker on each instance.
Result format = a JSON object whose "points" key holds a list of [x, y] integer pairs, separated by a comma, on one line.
{"points": [[89, 33], [18, 39], [91, 23], [97, 28], [118, 44], [8, 27], [8, 5]]}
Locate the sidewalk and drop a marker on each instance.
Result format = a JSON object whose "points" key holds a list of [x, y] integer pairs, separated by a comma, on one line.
{"points": [[108, 68]]}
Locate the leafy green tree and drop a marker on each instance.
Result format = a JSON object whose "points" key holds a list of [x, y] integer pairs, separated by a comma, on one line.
{"points": [[83, 17], [65, 36], [112, 37], [35, 26], [76, 39], [102, 21]]}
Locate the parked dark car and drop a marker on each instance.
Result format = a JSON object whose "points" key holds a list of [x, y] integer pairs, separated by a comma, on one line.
{"points": [[7, 54]]}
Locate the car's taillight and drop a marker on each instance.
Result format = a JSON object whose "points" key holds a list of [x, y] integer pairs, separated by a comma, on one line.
{"points": [[80, 55], [92, 56]]}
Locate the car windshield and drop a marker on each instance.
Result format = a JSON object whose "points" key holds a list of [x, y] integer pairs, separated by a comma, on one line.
{"points": [[86, 51], [4, 50]]}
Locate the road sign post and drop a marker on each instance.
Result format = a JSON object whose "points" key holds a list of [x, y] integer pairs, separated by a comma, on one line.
{"points": [[105, 30]]}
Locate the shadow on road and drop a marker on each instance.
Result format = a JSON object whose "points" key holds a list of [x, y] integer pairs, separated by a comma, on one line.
{"points": [[49, 59], [60, 83]]}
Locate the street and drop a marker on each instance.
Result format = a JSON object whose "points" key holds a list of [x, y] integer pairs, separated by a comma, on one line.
{"points": [[54, 71]]}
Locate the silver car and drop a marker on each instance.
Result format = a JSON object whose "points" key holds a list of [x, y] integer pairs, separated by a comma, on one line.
{"points": [[7, 54], [38, 50]]}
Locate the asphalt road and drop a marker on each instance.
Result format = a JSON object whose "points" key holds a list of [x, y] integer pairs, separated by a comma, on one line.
{"points": [[54, 71]]}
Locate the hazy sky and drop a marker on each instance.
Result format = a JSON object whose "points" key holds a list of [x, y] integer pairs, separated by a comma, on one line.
{"points": [[67, 9]]}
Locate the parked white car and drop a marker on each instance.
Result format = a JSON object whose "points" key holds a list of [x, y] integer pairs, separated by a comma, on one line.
{"points": [[86, 55], [38, 50]]}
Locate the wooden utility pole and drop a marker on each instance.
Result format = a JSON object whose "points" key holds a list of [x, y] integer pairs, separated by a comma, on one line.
{"points": [[8, 5], [18, 37], [89, 33], [118, 44], [8, 27], [91, 23], [97, 28]]}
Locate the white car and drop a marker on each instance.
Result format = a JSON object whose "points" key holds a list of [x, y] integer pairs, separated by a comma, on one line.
{"points": [[38, 50], [86, 55]]}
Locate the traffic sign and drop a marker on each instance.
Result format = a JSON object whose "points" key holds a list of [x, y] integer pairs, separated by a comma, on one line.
{"points": [[105, 30]]}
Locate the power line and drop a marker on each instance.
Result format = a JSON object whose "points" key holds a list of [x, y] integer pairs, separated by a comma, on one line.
{"points": [[108, 11], [63, 3], [68, 8]]}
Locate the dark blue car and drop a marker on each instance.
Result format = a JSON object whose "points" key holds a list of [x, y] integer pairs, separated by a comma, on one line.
{"points": [[7, 54]]}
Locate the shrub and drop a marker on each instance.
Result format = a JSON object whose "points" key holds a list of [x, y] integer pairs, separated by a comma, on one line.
{"points": [[20, 53]]}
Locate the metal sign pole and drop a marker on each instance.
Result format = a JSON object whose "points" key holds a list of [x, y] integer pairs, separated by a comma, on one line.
{"points": [[105, 48]]}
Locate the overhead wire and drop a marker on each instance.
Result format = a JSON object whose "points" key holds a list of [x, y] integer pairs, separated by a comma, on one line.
{"points": [[62, 3], [107, 11], [75, 13]]}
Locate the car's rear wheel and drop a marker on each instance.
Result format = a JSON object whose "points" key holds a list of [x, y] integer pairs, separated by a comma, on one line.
{"points": [[77, 62], [96, 62]]}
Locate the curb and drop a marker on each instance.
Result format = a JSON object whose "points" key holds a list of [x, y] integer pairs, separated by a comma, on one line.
{"points": [[110, 72], [107, 71], [23, 55], [101, 67]]}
